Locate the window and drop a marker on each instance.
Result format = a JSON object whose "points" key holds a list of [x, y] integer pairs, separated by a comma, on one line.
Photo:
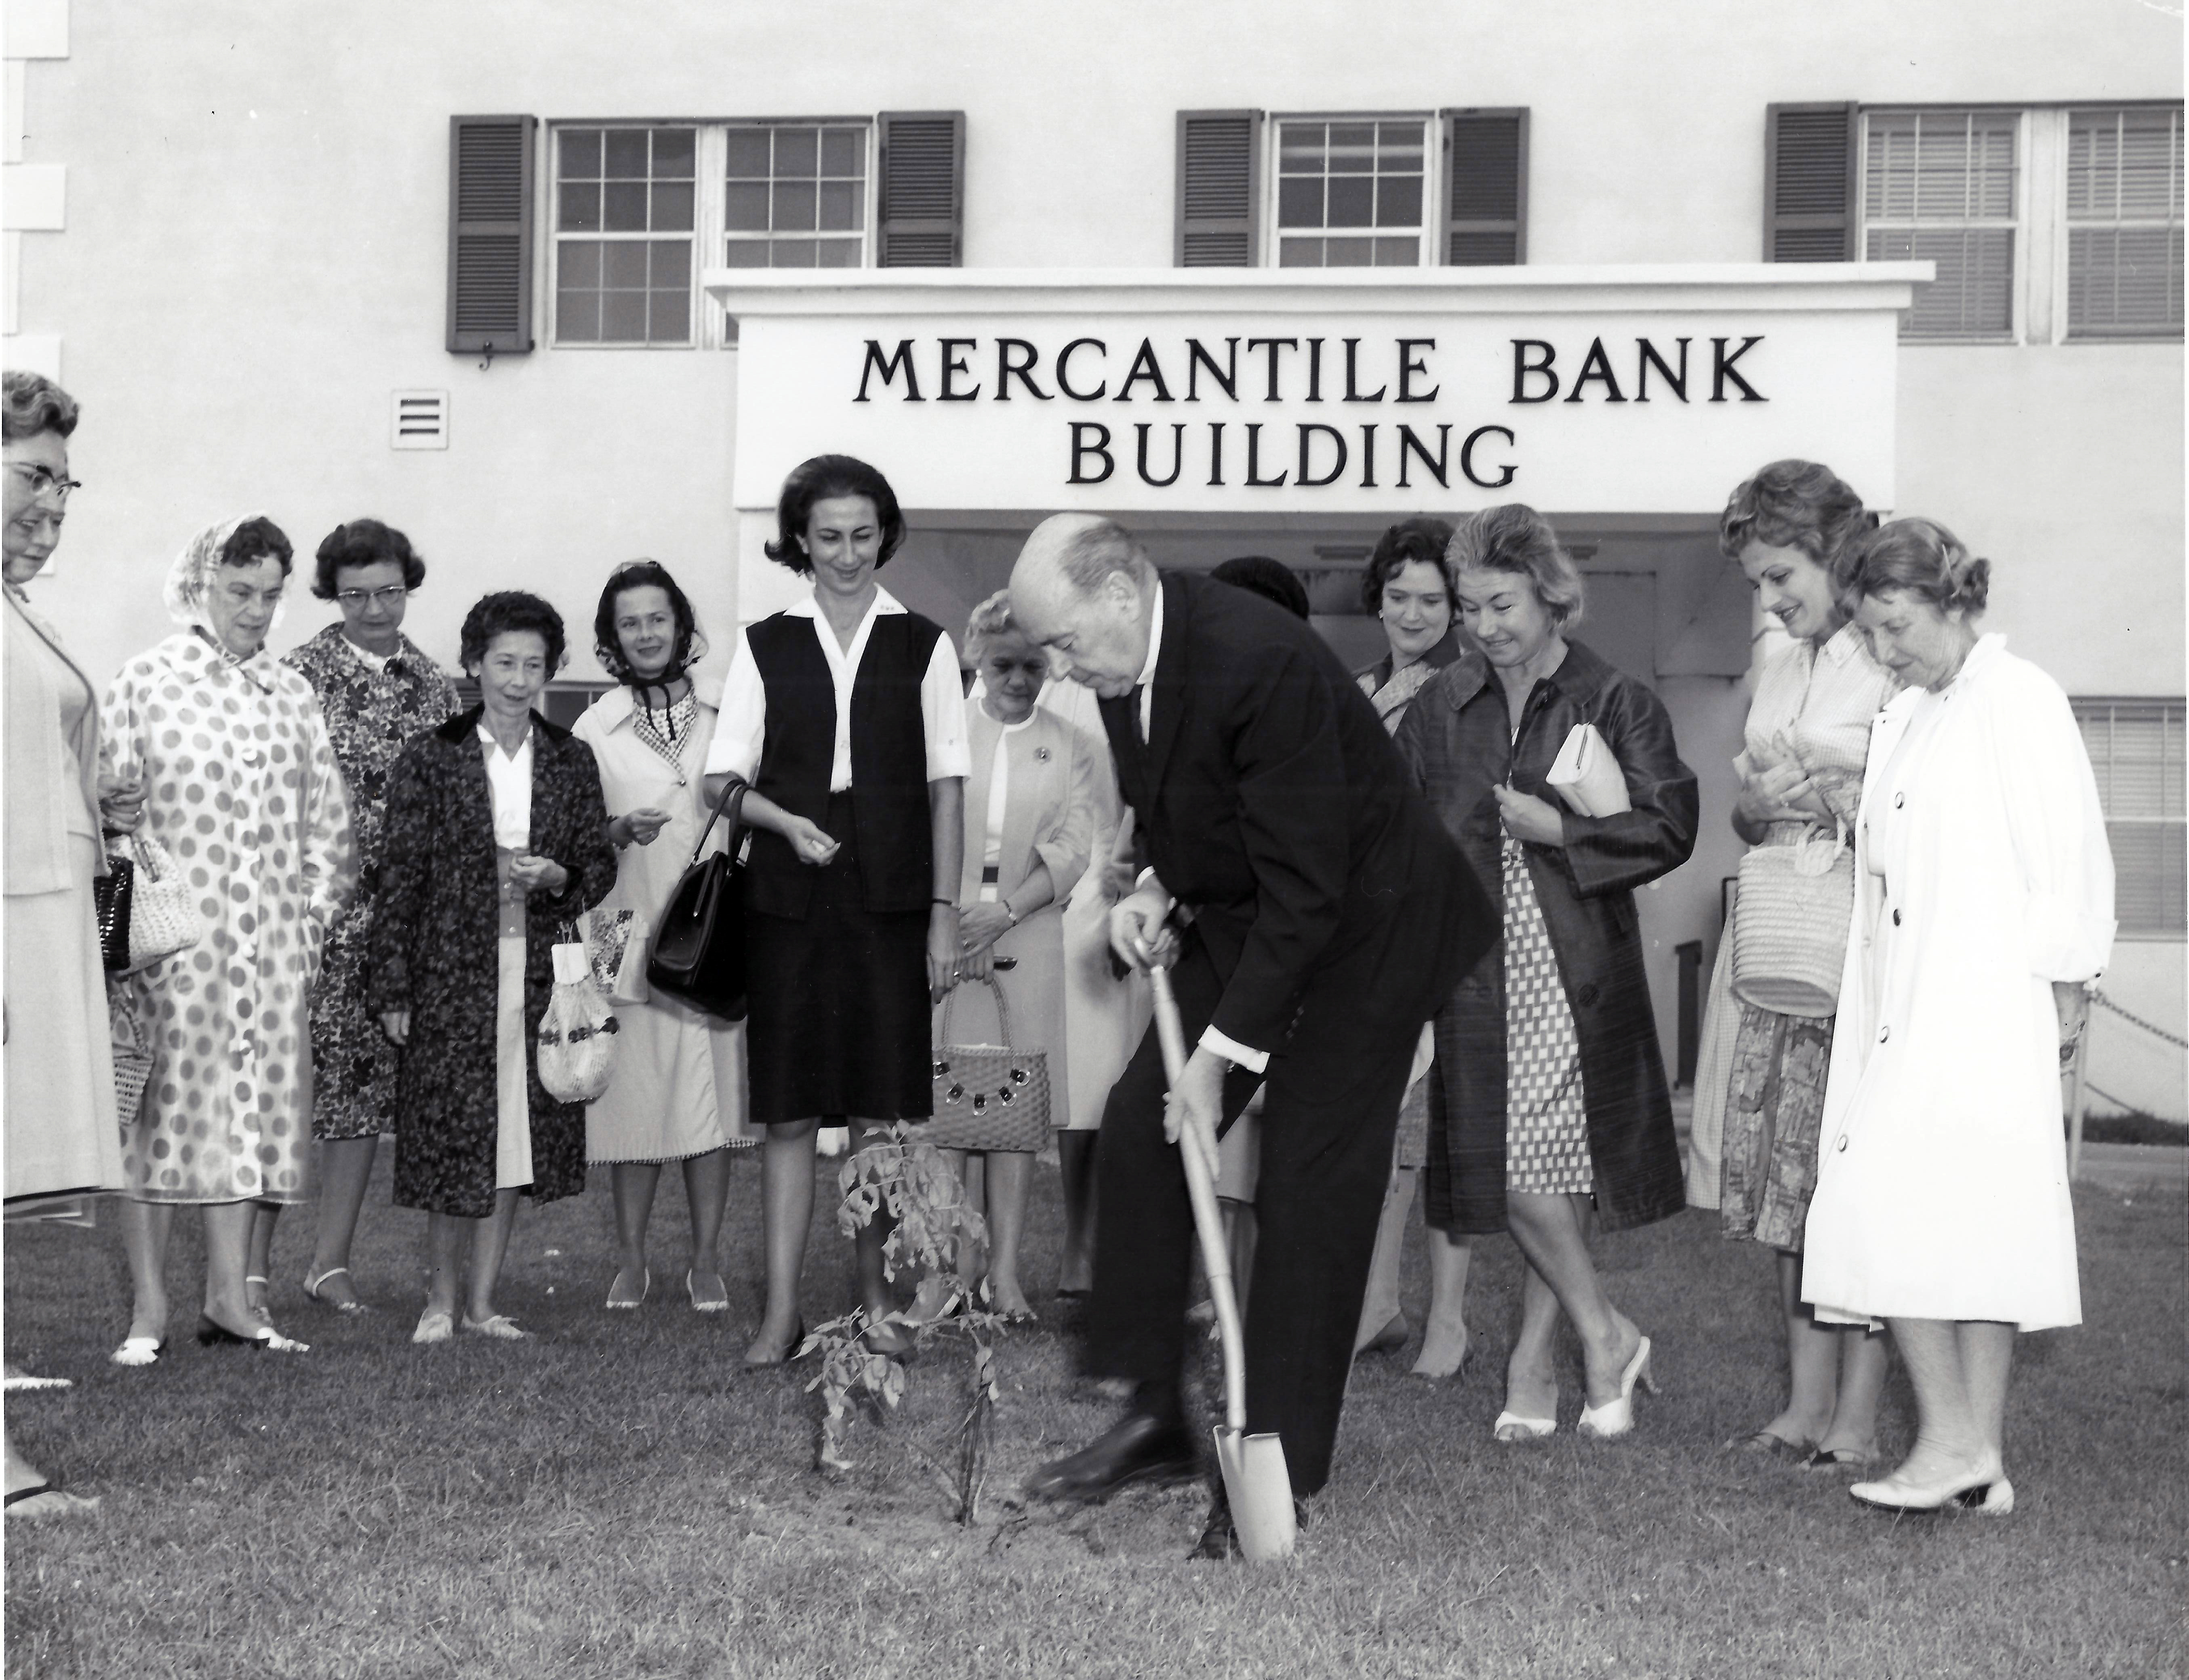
{"points": [[2135, 749], [617, 192], [1350, 193], [795, 196], [2123, 222], [639, 210], [1941, 185]]}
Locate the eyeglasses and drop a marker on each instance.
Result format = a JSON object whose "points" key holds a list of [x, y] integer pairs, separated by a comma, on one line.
{"points": [[45, 484], [378, 598]]}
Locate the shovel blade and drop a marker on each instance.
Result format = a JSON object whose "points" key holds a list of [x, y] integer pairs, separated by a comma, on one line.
{"points": [[1260, 1489]]}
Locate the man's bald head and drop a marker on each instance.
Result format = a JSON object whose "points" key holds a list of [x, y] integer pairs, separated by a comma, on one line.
{"points": [[1084, 589]]}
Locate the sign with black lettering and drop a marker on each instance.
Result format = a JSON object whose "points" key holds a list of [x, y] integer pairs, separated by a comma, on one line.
{"points": [[1266, 393]]}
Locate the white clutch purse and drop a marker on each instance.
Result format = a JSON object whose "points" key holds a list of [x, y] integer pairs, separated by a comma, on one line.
{"points": [[1587, 776]]}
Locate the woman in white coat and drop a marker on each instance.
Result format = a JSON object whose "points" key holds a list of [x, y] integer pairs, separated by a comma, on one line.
{"points": [[679, 1091], [1984, 905]]}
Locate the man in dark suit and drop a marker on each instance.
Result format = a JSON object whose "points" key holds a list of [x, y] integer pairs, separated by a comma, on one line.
{"points": [[1329, 914]]}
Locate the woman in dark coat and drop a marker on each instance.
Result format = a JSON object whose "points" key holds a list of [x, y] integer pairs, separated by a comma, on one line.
{"points": [[495, 835], [1549, 1095]]}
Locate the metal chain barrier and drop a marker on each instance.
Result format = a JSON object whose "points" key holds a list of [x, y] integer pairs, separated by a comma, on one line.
{"points": [[2151, 1027]]}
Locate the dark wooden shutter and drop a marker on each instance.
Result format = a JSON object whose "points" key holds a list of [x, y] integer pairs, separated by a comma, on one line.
{"points": [[1808, 183], [923, 189], [1220, 189], [1485, 222], [490, 233]]}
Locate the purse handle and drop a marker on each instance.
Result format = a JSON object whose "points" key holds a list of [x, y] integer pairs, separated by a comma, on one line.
{"points": [[736, 790], [1003, 1012]]}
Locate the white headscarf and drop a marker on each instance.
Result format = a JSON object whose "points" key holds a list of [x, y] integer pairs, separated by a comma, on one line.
{"points": [[190, 579]]}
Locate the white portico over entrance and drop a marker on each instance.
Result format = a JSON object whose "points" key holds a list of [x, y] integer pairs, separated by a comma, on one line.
{"points": [[1297, 414]]}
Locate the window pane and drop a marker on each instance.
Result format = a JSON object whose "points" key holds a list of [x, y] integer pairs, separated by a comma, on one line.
{"points": [[627, 153], [669, 264], [578, 205], [1300, 149], [1349, 253], [744, 206], [578, 263], [841, 202], [1352, 148], [1300, 201], [1399, 253], [623, 317], [672, 152], [794, 205], [623, 206], [2123, 281], [623, 263], [843, 151], [794, 253], [581, 153], [839, 253], [1299, 254], [1973, 296], [746, 253], [670, 318], [577, 317], [1352, 202], [1399, 201], [797, 151], [748, 149], [672, 207]]}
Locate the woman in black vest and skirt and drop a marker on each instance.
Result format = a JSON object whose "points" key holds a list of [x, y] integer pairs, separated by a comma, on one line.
{"points": [[846, 714]]}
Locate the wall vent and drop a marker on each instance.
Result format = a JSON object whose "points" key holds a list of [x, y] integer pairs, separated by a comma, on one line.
{"points": [[419, 419]]}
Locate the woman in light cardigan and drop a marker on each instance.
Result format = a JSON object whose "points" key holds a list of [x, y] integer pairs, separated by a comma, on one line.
{"points": [[1029, 821]]}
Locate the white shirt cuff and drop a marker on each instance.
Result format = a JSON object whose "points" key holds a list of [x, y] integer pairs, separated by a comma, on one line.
{"points": [[1233, 1051]]}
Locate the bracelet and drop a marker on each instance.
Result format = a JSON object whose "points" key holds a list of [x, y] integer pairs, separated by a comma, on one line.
{"points": [[1010, 912], [951, 902]]}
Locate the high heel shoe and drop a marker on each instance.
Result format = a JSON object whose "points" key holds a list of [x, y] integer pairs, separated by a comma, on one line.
{"points": [[1971, 1488], [139, 1351], [266, 1339], [352, 1308], [1512, 1429], [1616, 1418], [712, 1304], [1995, 1501], [645, 1288], [758, 1358]]}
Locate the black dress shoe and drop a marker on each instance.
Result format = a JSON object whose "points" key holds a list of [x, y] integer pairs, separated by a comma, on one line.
{"points": [[1143, 1448]]}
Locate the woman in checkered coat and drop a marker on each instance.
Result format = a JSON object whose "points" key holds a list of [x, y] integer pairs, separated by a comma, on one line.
{"points": [[1549, 1102]]}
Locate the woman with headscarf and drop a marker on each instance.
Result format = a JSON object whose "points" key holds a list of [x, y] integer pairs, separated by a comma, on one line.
{"points": [[62, 1143], [376, 689], [679, 1091], [243, 788]]}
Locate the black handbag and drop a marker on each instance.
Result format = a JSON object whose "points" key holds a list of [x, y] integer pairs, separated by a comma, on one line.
{"points": [[111, 894], [700, 944]]}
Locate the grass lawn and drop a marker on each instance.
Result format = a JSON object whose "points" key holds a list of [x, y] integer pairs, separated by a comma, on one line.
{"points": [[620, 1498]]}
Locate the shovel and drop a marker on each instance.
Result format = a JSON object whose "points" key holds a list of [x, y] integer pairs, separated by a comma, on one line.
{"points": [[1256, 1481]]}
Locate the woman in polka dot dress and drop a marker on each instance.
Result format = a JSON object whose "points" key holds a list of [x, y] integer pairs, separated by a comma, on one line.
{"points": [[242, 788]]}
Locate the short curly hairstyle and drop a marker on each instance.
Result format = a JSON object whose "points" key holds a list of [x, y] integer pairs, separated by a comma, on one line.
{"points": [[1514, 538], [1793, 504], [817, 480], [255, 540], [506, 610], [1421, 539], [31, 403], [1922, 558], [364, 542], [689, 648]]}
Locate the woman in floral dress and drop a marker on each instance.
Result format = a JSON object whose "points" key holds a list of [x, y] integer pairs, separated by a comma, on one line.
{"points": [[242, 788], [376, 690]]}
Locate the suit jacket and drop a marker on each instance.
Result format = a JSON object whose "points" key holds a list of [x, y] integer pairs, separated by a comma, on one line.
{"points": [[1274, 804]]}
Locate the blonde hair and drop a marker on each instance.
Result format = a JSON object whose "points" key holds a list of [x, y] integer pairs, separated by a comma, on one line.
{"points": [[1514, 538]]}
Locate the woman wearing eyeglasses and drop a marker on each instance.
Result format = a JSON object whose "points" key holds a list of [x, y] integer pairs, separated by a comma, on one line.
{"points": [[376, 690]]}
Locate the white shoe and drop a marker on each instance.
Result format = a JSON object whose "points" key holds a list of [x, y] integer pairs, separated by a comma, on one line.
{"points": [[138, 1350], [502, 1327], [1616, 1418], [434, 1326]]}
